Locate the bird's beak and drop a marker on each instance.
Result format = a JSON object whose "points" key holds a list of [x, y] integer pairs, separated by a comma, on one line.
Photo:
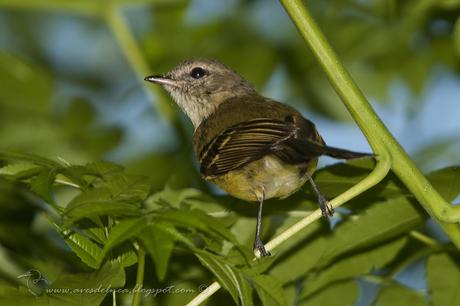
{"points": [[161, 79]]}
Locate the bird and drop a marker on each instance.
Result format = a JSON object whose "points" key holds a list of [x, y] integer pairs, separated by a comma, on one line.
{"points": [[34, 279], [251, 146]]}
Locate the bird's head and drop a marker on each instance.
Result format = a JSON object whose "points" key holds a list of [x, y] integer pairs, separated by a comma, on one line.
{"points": [[198, 86]]}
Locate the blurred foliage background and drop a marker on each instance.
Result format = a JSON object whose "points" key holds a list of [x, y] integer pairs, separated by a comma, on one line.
{"points": [[71, 87]]}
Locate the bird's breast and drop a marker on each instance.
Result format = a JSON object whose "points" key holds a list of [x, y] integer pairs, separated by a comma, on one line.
{"points": [[268, 176]]}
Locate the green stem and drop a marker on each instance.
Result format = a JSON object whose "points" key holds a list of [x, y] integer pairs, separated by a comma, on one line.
{"points": [[139, 277], [118, 26], [378, 136], [114, 298], [433, 244]]}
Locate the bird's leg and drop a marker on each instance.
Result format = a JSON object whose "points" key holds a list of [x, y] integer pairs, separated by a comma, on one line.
{"points": [[326, 208], [258, 244]]}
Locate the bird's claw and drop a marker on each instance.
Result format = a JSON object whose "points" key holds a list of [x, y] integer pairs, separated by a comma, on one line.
{"points": [[326, 209], [259, 246]]}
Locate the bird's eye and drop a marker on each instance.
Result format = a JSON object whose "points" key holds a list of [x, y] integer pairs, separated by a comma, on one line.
{"points": [[197, 73]]}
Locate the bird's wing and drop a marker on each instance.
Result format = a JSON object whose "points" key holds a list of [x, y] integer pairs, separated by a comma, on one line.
{"points": [[249, 141]]}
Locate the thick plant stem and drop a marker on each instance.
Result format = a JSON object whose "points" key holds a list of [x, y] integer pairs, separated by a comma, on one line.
{"points": [[373, 128], [139, 277]]}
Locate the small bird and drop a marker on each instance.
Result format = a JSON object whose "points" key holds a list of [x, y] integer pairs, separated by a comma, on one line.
{"points": [[34, 280], [251, 146]]}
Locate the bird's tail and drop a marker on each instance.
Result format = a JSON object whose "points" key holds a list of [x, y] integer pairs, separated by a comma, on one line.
{"points": [[302, 150], [343, 154]]}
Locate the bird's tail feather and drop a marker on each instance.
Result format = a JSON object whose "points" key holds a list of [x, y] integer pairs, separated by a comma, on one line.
{"points": [[309, 149], [343, 154], [301, 151]]}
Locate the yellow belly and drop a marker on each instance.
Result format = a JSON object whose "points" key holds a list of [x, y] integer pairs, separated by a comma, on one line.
{"points": [[268, 176]]}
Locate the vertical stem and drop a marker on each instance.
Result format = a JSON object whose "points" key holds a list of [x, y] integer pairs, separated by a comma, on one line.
{"points": [[117, 24], [139, 277], [340, 79], [114, 298], [373, 128]]}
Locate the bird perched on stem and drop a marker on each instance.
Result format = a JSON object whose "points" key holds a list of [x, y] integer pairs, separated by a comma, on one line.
{"points": [[252, 147]]}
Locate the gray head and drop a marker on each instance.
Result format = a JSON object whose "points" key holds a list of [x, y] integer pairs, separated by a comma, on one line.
{"points": [[198, 86]]}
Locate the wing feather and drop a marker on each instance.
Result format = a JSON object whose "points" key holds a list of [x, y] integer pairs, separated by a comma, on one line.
{"points": [[242, 144]]}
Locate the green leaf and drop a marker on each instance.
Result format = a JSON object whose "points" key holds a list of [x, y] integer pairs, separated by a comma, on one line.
{"points": [[396, 295], [109, 176], [111, 275], [69, 289], [229, 277], [89, 252], [260, 265], [443, 276], [176, 235], [446, 181], [127, 258], [12, 296], [20, 171], [355, 265], [115, 194], [269, 289], [198, 220], [381, 222], [159, 244], [122, 231], [174, 197], [96, 202], [339, 294], [100, 169], [97, 232], [100, 208], [338, 178], [42, 184], [126, 188], [31, 158], [23, 86]]}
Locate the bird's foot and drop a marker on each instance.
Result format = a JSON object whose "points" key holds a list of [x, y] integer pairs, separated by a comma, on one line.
{"points": [[326, 209], [259, 246]]}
